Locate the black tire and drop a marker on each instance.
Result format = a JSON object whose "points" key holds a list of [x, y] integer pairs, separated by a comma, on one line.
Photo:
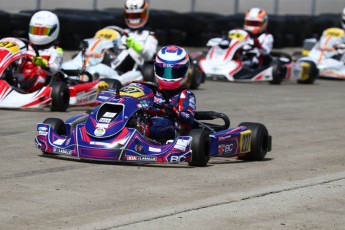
{"points": [[200, 147], [112, 83], [277, 73], [57, 125], [60, 96], [148, 72], [195, 76], [260, 143], [313, 73]]}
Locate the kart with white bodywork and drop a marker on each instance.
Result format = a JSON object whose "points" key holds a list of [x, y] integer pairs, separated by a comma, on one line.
{"points": [[325, 53], [226, 57]]}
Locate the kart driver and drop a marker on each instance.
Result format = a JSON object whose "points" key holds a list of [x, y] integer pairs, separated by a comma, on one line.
{"points": [[340, 47], [142, 41], [43, 32], [255, 22], [171, 72]]}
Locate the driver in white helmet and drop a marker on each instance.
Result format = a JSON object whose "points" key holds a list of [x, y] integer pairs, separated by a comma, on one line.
{"points": [[171, 72], [136, 37], [340, 47], [255, 22], [43, 32]]}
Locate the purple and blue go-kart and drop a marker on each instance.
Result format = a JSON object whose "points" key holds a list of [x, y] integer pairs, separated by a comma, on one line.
{"points": [[112, 132]]}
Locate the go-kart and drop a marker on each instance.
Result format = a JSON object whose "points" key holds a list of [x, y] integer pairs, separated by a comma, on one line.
{"points": [[104, 56], [58, 94], [113, 132], [324, 53], [226, 60]]}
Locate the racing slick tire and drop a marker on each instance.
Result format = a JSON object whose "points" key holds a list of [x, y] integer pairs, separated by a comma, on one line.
{"points": [[195, 75], [147, 72], [260, 143], [276, 73], [60, 96], [57, 125], [112, 83], [313, 72], [200, 147]]}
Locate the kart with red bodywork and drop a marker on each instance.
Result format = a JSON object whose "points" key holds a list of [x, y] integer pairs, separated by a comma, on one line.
{"points": [[58, 94]]}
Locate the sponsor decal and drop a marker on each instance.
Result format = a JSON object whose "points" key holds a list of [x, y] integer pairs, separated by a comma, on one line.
{"points": [[68, 141], [227, 149], [98, 143], [181, 145], [101, 125], [86, 99], [132, 158], [109, 115], [59, 141], [105, 120], [156, 150], [42, 133], [147, 158], [99, 132], [63, 151], [41, 128], [103, 97]]}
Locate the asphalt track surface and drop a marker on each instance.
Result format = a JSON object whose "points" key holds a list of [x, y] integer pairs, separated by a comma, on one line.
{"points": [[300, 185]]}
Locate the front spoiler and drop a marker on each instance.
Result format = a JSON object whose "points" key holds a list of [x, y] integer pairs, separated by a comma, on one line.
{"points": [[126, 146]]}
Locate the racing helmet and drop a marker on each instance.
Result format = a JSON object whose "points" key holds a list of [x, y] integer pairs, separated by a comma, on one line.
{"points": [[44, 28], [343, 19], [136, 13], [255, 20], [171, 67]]}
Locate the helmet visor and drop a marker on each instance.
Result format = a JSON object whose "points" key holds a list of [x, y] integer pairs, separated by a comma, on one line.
{"points": [[44, 31], [136, 15], [171, 72], [254, 23]]}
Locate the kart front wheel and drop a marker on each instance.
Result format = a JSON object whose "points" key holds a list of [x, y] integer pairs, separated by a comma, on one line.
{"points": [[60, 97], [57, 125], [260, 143], [200, 147], [309, 71]]}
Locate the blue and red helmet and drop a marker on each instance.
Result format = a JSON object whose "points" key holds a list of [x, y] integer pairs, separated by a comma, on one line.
{"points": [[171, 67]]}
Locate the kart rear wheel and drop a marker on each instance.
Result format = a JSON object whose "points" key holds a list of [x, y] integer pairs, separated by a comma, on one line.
{"points": [[60, 96], [112, 83], [200, 147], [277, 73], [57, 125], [195, 75], [147, 72], [260, 143], [313, 72]]}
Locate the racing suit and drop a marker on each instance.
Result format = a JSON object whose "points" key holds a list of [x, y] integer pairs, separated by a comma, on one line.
{"points": [[259, 50], [39, 77], [143, 42], [166, 124]]}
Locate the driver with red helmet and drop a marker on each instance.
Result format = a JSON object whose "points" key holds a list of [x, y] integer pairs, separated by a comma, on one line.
{"points": [[171, 71], [43, 32], [139, 39], [255, 22]]}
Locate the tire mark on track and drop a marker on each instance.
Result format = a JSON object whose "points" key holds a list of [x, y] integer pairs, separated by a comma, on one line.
{"points": [[312, 184], [42, 171]]}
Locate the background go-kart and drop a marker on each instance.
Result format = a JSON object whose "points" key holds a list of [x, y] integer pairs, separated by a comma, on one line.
{"points": [[301, 184]]}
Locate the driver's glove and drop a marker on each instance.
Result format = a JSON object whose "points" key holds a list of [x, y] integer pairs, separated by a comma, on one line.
{"points": [[39, 61], [131, 43]]}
